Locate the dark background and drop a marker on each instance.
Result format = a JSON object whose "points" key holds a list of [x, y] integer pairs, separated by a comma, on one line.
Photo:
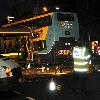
{"points": [[87, 10], [23, 7]]}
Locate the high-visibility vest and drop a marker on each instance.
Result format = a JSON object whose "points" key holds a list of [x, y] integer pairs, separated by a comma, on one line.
{"points": [[81, 58]]}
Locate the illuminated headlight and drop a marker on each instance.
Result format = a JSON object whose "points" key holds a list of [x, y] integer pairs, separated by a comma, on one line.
{"points": [[98, 70], [8, 72], [52, 86]]}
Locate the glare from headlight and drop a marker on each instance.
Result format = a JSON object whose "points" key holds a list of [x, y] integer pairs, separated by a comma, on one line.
{"points": [[8, 70], [52, 86]]}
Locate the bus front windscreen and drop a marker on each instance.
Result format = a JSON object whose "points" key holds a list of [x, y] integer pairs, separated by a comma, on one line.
{"points": [[65, 17]]}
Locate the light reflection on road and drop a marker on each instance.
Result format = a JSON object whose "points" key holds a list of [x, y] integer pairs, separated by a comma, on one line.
{"points": [[57, 71]]}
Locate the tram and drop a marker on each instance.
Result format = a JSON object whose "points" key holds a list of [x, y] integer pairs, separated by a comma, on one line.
{"points": [[52, 37]]}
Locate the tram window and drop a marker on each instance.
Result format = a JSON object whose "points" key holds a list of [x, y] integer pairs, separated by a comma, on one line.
{"points": [[65, 17], [40, 45], [44, 45], [8, 46]]}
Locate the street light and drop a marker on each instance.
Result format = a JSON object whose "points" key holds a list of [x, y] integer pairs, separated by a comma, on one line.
{"points": [[10, 18], [57, 8], [45, 9]]}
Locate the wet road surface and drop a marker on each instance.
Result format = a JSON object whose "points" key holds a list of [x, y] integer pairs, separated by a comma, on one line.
{"points": [[72, 88]]}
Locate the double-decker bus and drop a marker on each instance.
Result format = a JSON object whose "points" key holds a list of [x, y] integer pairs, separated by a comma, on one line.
{"points": [[52, 37]]}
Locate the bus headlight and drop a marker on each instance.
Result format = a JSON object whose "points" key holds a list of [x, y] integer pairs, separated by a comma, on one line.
{"points": [[52, 86], [8, 72]]}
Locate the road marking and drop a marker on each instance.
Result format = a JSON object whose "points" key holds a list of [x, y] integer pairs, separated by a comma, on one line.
{"points": [[30, 98], [17, 92]]}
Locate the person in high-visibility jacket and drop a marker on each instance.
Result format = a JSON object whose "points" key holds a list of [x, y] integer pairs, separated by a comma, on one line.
{"points": [[81, 59]]}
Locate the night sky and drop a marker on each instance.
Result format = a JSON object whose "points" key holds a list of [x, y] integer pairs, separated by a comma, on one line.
{"points": [[17, 7]]}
